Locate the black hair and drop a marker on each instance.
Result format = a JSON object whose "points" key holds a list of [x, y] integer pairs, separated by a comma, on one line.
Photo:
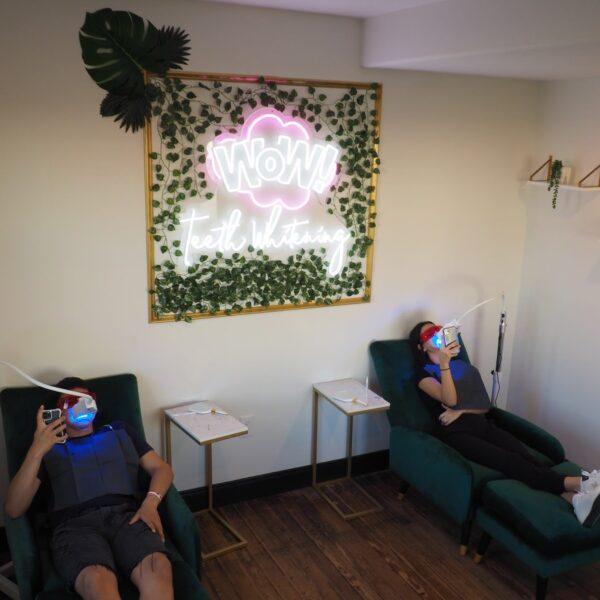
{"points": [[68, 383], [414, 338]]}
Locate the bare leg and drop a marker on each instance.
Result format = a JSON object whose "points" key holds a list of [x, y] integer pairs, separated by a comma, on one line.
{"points": [[97, 583], [572, 484], [153, 577]]}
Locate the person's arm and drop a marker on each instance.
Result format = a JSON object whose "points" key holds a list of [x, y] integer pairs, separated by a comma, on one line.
{"points": [[450, 415], [444, 391], [161, 477], [26, 483]]}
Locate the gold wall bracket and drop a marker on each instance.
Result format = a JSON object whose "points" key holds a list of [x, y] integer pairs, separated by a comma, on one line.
{"points": [[547, 164], [582, 183]]}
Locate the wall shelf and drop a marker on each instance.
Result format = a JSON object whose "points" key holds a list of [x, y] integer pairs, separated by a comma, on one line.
{"points": [[565, 187], [581, 186]]}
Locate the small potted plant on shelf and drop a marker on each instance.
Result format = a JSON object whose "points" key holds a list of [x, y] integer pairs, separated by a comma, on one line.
{"points": [[554, 179]]}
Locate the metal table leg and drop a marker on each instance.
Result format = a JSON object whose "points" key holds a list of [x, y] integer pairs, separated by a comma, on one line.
{"points": [[320, 486], [241, 542]]}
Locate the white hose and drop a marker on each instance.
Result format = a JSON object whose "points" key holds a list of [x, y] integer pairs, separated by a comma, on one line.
{"points": [[44, 385], [477, 306]]}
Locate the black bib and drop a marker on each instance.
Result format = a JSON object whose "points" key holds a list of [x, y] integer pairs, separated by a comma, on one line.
{"points": [[470, 389], [105, 462]]}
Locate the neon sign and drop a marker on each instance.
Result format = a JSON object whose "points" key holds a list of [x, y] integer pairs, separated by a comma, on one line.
{"points": [[260, 193], [228, 236], [274, 161]]}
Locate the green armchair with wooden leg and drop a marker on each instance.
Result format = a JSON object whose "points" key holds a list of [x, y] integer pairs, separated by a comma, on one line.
{"points": [[538, 527], [27, 537], [421, 460]]}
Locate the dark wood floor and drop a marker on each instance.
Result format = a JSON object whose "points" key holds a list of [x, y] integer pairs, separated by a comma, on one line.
{"points": [[298, 547]]}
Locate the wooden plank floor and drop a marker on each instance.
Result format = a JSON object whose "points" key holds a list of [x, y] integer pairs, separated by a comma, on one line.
{"points": [[298, 547]]}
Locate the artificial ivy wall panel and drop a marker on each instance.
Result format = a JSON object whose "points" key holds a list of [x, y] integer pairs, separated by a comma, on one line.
{"points": [[260, 193]]}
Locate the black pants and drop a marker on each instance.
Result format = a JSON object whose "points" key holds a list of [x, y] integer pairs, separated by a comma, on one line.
{"points": [[479, 440]]}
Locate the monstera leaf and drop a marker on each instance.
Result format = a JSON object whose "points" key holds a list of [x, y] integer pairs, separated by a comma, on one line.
{"points": [[117, 47]]}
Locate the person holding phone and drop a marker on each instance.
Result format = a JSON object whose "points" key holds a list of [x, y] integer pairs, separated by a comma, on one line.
{"points": [[455, 394], [100, 521]]}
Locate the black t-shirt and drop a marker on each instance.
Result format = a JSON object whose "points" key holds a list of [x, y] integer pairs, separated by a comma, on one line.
{"points": [[470, 389], [59, 516]]}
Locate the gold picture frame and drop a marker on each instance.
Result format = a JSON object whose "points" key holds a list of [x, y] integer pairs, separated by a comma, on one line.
{"points": [[149, 182]]}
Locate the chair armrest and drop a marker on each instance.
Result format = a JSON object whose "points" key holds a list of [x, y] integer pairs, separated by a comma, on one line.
{"points": [[438, 471], [530, 434], [24, 554], [182, 529]]}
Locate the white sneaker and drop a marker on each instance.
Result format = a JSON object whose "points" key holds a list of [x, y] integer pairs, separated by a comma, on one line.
{"points": [[587, 506], [589, 480]]}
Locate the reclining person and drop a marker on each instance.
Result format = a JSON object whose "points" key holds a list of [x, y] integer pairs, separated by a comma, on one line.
{"points": [[454, 392], [100, 525]]}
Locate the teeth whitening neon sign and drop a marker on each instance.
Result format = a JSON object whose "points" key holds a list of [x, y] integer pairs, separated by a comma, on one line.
{"points": [[233, 234], [279, 166], [274, 161]]}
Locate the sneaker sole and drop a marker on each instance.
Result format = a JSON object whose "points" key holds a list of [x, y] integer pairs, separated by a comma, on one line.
{"points": [[594, 514]]}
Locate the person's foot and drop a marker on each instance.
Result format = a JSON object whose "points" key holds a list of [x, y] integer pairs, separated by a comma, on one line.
{"points": [[589, 480], [587, 506]]}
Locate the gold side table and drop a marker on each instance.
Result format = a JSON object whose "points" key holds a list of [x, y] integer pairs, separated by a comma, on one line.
{"points": [[206, 423], [352, 398]]}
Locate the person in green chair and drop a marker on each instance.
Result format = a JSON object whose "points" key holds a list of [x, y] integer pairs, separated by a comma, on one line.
{"points": [[454, 392], [98, 520]]}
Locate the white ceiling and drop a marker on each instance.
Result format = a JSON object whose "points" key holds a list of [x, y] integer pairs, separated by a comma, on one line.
{"points": [[530, 39], [346, 8]]}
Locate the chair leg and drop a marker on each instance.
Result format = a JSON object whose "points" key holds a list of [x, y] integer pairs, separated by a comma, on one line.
{"points": [[465, 533], [482, 547], [541, 587], [402, 489]]}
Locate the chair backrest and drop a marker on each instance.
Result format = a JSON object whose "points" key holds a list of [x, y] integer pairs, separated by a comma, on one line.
{"points": [[117, 399], [395, 369]]}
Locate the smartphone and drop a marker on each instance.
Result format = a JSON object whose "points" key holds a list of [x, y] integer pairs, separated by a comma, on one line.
{"points": [[450, 335], [51, 415]]}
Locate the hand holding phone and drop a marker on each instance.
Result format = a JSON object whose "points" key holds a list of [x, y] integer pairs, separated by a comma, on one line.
{"points": [[50, 430], [450, 335], [51, 416]]}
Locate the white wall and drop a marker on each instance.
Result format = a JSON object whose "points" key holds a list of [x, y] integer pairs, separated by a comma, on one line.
{"points": [[72, 232], [555, 363]]}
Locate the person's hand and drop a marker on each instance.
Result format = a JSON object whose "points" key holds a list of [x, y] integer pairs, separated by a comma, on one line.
{"points": [[46, 436], [148, 512], [449, 416], [446, 353]]}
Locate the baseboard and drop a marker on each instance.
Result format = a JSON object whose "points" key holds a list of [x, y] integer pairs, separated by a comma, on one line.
{"points": [[266, 484], [283, 481]]}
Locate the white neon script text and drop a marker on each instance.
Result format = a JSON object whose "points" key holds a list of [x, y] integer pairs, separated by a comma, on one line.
{"points": [[273, 234]]}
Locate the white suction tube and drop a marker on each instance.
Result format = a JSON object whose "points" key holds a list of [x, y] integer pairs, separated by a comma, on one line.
{"points": [[44, 385]]}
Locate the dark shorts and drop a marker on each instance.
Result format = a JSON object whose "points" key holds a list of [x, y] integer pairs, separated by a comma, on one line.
{"points": [[104, 537]]}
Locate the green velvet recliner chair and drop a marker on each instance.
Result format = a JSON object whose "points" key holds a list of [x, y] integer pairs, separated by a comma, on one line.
{"points": [[438, 471], [538, 527], [117, 400]]}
